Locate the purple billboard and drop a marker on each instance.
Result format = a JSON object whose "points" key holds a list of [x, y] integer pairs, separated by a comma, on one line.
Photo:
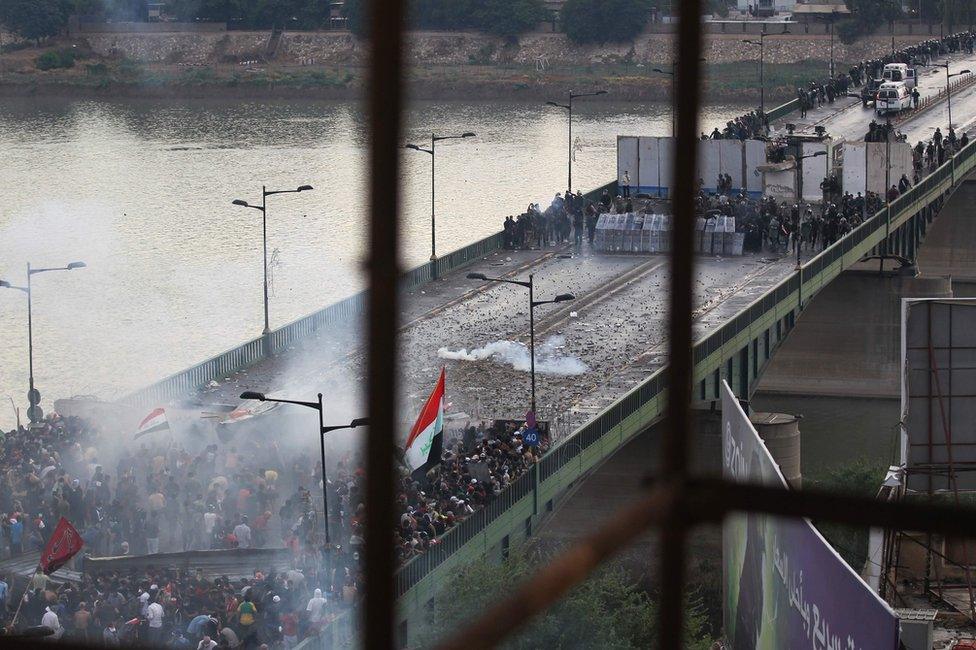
{"points": [[784, 586]]}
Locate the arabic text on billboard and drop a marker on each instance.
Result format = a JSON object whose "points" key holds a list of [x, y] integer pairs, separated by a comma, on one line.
{"points": [[783, 584]]}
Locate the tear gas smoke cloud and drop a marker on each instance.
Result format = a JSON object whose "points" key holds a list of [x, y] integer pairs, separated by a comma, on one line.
{"points": [[549, 360]]}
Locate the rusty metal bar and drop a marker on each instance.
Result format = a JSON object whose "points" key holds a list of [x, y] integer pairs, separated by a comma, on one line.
{"points": [[565, 572], [700, 501], [947, 434], [385, 97], [678, 430], [711, 499]]}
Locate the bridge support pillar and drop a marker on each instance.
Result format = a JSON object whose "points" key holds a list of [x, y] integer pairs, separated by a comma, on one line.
{"points": [[848, 342]]}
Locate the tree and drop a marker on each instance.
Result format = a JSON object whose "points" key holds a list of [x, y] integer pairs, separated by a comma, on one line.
{"points": [[508, 18], [861, 478], [866, 17], [609, 610], [88, 7], [441, 14], [127, 10], [605, 21], [356, 13], [35, 20], [280, 13], [202, 10]]}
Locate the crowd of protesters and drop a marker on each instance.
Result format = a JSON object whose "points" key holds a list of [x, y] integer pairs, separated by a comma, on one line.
{"points": [[779, 227], [180, 610], [923, 53], [475, 467], [754, 125], [157, 497], [163, 498]]}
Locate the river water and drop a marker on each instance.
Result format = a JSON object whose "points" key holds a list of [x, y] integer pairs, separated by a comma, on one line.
{"points": [[141, 191], [838, 431]]}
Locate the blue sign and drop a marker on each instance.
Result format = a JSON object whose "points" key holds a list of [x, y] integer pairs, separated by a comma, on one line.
{"points": [[531, 437]]}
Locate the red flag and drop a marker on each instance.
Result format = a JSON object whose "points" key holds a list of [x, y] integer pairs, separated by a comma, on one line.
{"points": [[63, 545]]}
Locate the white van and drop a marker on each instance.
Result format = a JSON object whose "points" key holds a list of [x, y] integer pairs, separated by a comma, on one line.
{"points": [[893, 96], [900, 72]]}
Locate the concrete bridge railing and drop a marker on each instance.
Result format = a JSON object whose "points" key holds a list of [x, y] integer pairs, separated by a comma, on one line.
{"points": [[737, 352]]}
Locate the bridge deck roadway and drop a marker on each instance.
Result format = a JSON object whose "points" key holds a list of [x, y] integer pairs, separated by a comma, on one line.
{"points": [[616, 326], [846, 118]]}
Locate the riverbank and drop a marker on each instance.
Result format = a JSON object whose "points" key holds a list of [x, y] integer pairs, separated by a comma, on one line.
{"points": [[93, 76], [441, 65]]}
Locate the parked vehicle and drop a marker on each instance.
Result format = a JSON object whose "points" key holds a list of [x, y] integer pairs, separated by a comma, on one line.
{"points": [[900, 72], [893, 97]]}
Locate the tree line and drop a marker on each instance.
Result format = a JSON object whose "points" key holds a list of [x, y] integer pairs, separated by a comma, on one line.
{"points": [[584, 21], [871, 16]]}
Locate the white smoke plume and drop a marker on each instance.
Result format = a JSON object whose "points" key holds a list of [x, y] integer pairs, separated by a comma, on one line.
{"points": [[549, 359]]}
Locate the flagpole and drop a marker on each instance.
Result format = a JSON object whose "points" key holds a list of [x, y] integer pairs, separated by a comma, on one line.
{"points": [[30, 581]]}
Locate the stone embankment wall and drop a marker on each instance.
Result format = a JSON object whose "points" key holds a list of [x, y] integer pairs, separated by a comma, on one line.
{"points": [[442, 48]]}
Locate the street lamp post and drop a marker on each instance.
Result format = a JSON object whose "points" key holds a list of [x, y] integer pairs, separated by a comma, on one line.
{"points": [[569, 107], [34, 413], [833, 14], [952, 160], [533, 303], [670, 74], [434, 139], [762, 67], [264, 237], [799, 184], [358, 422]]}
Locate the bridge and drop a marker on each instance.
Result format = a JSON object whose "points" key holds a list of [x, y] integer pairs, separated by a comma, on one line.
{"points": [[741, 326]]}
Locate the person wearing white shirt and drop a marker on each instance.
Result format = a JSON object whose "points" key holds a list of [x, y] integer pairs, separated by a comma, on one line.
{"points": [[316, 608], [50, 619], [154, 615], [243, 533], [209, 521], [143, 603]]}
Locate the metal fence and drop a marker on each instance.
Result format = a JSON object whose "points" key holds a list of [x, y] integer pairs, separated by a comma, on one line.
{"points": [[343, 311], [829, 261], [783, 110]]}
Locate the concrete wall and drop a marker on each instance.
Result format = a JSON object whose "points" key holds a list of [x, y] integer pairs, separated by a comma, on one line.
{"points": [[464, 48], [848, 342], [76, 28], [623, 477], [181, 47], [950, 246]]}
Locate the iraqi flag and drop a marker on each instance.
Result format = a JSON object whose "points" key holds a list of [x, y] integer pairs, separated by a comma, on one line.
{"points": [[64, 544], [155, 421], [424, 443]]}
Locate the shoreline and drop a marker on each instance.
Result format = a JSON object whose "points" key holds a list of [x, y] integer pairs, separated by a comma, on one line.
{"points": [[417, 90], [95, 77]]}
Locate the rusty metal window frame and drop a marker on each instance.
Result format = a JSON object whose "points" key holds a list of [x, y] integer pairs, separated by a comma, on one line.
{"points": [[676, 501]]}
